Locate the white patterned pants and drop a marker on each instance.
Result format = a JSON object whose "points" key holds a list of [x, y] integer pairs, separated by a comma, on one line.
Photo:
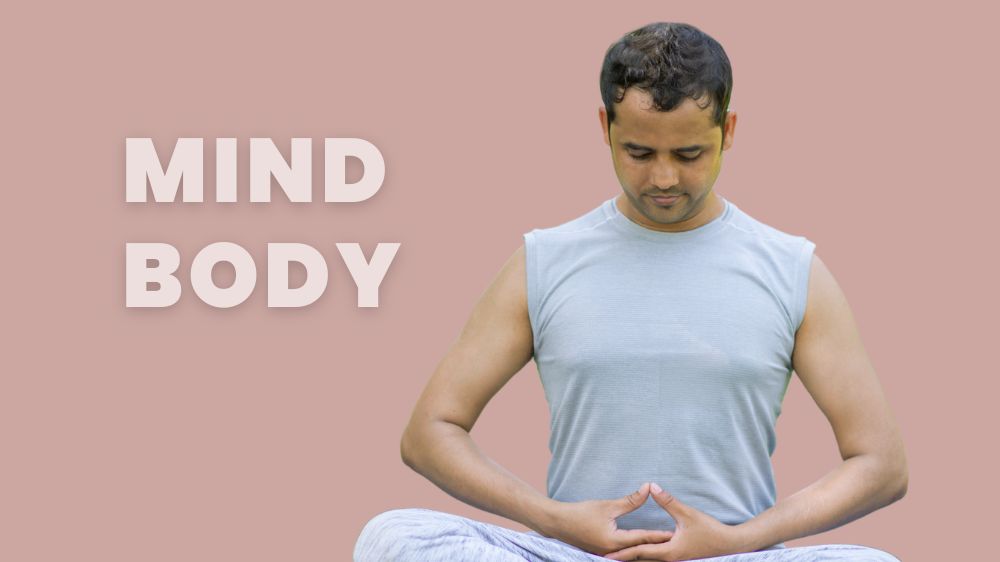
{"points": [[424, 535]]}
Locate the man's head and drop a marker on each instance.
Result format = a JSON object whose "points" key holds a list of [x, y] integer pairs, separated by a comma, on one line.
{"points": [[666, 90]]}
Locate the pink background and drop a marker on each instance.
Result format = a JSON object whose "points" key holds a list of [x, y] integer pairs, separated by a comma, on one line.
{"points": [[194, 433]]}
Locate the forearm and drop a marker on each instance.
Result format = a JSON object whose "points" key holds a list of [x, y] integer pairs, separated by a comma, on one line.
{"points": [[446, 455], [858, 486]]}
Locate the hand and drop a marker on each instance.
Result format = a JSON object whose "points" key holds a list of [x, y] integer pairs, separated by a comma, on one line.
{"points": [[697, 535], [591, 525]]}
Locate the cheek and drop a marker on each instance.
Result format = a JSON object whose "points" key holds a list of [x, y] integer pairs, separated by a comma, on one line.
{"points": [[622, 166], [707, 167], [634, 172], [694, 174], [632, 178]]}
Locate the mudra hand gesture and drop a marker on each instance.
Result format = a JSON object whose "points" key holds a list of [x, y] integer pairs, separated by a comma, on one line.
{"points": [[697, 535]]}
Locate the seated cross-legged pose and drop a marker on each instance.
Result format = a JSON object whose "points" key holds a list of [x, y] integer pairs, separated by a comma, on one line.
{"points": [[665, 324]]}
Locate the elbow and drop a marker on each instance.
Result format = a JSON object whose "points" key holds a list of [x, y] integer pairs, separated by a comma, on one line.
{"points": [[406, 449], [899, 479], [413, 446], [889, 477], [898, 492], [420, 445], [903, 481]]}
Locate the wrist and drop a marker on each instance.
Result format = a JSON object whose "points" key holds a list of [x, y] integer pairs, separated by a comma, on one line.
{"points": [[747, 537], [545, 516]]}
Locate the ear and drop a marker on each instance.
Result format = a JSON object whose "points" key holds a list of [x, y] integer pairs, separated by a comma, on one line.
{"points": [[603, 116], [729, 130]]}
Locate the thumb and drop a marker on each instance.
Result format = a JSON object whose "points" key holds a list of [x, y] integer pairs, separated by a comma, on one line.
{"points": [[634, 500], [669, 503]]}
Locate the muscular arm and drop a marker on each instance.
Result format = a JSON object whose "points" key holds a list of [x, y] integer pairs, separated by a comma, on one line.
{"points": [[494, 345], [836, 371]]}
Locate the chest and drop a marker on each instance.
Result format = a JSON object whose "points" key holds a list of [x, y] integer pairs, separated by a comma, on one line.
{"points": [[722, 316]]}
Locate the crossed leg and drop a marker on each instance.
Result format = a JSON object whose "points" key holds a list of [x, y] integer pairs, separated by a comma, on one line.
{"points": [[424, 535]]}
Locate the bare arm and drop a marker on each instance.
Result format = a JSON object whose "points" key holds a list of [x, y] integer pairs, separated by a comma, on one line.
{"points": [[836, 371], [494, 345]]}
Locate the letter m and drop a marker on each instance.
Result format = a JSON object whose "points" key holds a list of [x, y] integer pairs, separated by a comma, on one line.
{"points": [[142, 163]]}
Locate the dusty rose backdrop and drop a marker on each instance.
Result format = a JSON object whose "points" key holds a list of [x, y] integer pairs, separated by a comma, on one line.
{"points": [[193, 433]]}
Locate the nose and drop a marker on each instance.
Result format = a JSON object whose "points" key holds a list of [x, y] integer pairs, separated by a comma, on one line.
{"points": [[664, 175]]}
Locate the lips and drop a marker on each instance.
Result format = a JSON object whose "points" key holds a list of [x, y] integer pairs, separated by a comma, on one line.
{"points": [[665, 200]]}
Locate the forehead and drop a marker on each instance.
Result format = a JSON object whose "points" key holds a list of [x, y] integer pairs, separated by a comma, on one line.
{"points": [[638, 121]]}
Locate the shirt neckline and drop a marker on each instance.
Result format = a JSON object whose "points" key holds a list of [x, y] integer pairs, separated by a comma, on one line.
{"points": [[625, 224]]}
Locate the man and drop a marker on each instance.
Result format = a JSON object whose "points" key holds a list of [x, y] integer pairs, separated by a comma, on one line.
{"points": [[665, 325]]}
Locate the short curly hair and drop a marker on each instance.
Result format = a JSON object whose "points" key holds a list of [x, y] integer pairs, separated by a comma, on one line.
{"points": [[670, 61]]}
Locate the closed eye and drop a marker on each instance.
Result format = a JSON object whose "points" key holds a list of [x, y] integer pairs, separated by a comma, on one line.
{"points": [[646, 155]]}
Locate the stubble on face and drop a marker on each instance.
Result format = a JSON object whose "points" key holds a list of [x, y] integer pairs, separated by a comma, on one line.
{"points": [[660, 134]]}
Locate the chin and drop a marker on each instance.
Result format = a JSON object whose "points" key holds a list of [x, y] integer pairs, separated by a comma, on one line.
{"points": [[678, 210]]}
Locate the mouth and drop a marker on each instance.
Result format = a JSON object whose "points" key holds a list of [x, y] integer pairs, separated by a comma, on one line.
{"points": [[665, 200]]}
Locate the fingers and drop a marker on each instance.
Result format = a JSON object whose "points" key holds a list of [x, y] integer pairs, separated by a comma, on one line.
{"points": [[668, 502], [643, 551], [642, 536], [634, 500]]}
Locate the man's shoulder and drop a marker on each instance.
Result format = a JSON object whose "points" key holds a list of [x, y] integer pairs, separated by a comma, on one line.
{"points": [[759, 231], [588, 221]]}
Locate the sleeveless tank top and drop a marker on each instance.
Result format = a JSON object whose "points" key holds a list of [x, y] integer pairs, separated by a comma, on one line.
{"points": [[665, 357]]}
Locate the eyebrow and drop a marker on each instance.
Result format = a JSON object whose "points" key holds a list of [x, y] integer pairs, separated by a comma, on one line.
{"points": [[692, 148]]}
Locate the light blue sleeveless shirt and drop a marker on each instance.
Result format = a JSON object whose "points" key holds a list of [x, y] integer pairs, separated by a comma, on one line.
{"points": [[665, 357]]}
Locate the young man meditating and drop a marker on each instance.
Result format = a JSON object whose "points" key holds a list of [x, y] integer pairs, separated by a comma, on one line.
{"points": [[665, 325]]}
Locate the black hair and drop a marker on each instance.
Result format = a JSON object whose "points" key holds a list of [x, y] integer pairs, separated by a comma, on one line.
{"points": [[671, 61]]}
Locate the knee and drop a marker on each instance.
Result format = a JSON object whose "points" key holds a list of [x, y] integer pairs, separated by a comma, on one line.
{"points": [[860, 553], [882, 556], [870, 554], [390, 534]]}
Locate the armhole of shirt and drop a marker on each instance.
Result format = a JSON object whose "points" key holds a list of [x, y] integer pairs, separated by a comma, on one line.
{"points": [[532, 283], [803, 264]]}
